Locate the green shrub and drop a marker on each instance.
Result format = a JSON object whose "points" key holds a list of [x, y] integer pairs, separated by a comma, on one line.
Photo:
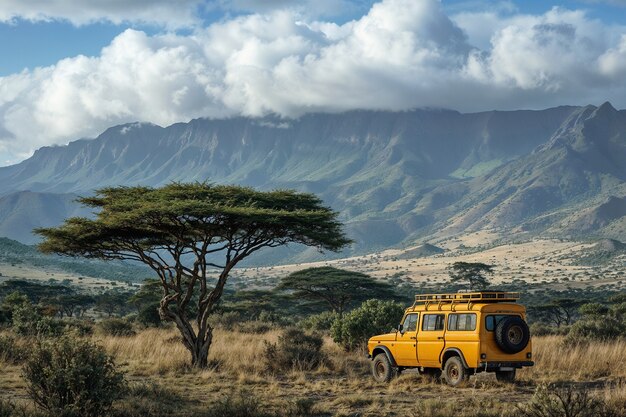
{"points": [[49, 327], [593, 309], [619, 311], [270, 317], [10, 351], [116, 327], [618, 298], [148, 316], [72, 377], [25, 318], [295, 349], [79, 327], [320, 322], [596, 328], [373, 317], [542, 329], [227, 320], [254, 327], [7, 409]]}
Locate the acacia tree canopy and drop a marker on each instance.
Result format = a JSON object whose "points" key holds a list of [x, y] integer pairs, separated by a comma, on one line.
{"points": [[471, 272], [179, 231], [338, 288]]}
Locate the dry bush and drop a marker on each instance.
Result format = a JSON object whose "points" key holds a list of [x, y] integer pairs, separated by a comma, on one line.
{"points": [[567, 401], [246, 404], [11, 351], [551, 401], [295, 349], [471, 408], [72, 377], [116, 327], [149, 400], [255, 327]]}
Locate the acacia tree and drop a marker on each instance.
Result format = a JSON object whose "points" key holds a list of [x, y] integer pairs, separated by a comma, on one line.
{"points": [[471, 272], [192, 236], [338, 288]]}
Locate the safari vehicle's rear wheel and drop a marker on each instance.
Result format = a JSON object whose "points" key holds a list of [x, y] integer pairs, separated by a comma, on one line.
{"points": [[506, 376], [454, 373], [382, 369]]}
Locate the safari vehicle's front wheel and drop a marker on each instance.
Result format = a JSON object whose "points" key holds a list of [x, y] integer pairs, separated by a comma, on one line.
{"points": [[382, 369], [454, 373]]}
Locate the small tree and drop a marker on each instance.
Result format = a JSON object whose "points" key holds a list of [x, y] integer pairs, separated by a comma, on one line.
{"points": [[560, 311], [568, 308], [548, 313], [373, 317], [113, 302], [192, 235], [473, 273], [147, 300], [338, 288], [73, 304]]}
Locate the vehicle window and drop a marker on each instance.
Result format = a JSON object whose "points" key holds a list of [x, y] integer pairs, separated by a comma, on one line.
{"points": [[433, 322], [492, 321], [410, 323], [466, 322]]}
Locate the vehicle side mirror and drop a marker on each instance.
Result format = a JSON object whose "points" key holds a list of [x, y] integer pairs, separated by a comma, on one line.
{"points": [[400, 328]]}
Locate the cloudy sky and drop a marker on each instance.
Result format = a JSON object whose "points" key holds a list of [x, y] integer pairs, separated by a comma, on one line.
{"points": [[71, 68]]}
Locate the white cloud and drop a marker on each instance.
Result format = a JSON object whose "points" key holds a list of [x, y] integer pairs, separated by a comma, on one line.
{"points": [[402, 54], [172, 14], [318, 8], [613, 62], [167, 13]]}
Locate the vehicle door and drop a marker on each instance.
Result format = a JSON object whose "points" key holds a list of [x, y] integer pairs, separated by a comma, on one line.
{"points": [[430, 339], [405, 352]]}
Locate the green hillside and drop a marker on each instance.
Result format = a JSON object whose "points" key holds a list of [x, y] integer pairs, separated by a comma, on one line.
{"points": [[15, 253]]}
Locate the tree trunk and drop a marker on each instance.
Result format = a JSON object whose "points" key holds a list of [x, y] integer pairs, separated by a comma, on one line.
{"points": [[198, 345], [200, 351]]}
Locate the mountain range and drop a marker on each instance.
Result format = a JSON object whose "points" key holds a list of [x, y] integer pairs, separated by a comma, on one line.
{"points": [[395, 177]]}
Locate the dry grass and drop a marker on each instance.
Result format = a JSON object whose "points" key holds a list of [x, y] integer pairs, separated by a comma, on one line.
{"points": [[156, 362], [554, 360]]}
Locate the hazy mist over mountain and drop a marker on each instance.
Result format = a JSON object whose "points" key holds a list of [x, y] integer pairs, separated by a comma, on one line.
{"points": [[395, 177]]}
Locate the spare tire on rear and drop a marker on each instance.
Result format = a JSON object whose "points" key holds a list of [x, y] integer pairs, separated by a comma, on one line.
{"points": [[512, 334]]}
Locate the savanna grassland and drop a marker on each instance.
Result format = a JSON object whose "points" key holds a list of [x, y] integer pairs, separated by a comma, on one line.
{"points": [[239, 383]]}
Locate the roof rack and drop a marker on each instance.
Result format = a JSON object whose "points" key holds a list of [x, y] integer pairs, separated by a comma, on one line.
{"points": [[467, 297]]}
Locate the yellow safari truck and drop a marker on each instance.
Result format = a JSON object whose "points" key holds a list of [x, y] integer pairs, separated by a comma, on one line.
{"points": [[454, 336]]}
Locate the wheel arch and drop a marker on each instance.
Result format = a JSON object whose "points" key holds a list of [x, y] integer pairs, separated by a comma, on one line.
{"points": [[450, 352], [386, 351]]}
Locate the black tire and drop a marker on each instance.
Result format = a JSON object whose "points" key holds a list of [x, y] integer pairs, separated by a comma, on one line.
{"points": [[506, 376], [512, 334], [454, 373], [382, 370]]}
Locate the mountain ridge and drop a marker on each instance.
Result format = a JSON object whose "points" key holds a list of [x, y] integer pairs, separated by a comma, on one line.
{"points": [[394, 176]]}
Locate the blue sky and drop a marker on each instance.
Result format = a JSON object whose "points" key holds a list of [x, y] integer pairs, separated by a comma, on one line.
{"points": [[29, 44], [72, 68]]}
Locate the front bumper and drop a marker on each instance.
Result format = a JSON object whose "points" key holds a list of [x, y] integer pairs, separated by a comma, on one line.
{"points": [[494, 366]]}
